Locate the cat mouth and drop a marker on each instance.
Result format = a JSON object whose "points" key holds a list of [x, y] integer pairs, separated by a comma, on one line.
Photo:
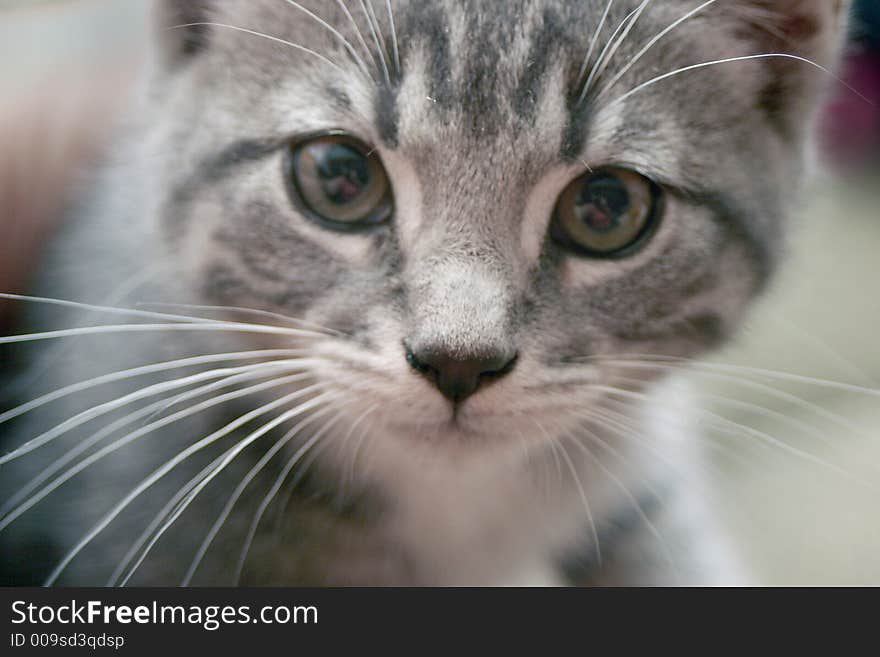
{"points": [[470, 421]]}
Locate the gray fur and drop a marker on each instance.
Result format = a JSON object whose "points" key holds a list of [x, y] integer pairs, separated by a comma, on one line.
{"points": [[480, 129]]}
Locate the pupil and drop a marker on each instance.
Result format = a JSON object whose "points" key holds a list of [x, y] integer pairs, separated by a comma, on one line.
{"points": [[344, 174], [602, 203]]}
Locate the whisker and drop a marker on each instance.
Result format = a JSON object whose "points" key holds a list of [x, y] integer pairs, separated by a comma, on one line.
{"points": [[107, 407], [123, 375], [832, 354], [752, 408], [246, 481], [694, 67], [110, 429], [250, 311], [358, 33], [279, 482], [335, 32], [289, 488], [554, 446], [349, 475], [348, 435], [394, 41], [375, 31], [157, 520], [724, 448], [653, 42], [231, 327], [595, 40], [664, 546], [526, 447], [165, 469], [740, 380], [226, 458], [143, 431], [625, 432], [586, 503], [648, 486], [268, 37], [588, 85], [621, 424], [754, 433], [51, 354], [612, 46], [160, 517], [709, 367], [736, 428], [107, 310]]}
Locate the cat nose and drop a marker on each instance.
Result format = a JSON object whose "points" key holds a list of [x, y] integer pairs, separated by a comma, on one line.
{"points": [[456, 377]]}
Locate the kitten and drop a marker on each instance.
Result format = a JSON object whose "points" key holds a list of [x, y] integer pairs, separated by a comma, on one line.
{"points": [[451, 230]]}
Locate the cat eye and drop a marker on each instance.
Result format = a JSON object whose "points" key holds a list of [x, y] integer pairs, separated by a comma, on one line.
{"points": [[606, 213], [339, 181]]}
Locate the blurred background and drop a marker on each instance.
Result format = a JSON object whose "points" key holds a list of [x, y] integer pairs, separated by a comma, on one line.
{"points": [[798, 487]]}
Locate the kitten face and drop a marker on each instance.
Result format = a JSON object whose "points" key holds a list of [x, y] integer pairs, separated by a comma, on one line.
{"points": [[480, 130]]}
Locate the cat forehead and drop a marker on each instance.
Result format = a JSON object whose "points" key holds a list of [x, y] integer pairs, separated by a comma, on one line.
{"points": [[460, 85], [413, 67]]}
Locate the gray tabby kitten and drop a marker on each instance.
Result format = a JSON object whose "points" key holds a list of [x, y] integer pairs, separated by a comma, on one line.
{"points": [[437, 255]]}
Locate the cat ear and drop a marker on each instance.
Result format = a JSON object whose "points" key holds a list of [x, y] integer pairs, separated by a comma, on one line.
{"points": [[813, 29], [810, 29], [181, 37]]}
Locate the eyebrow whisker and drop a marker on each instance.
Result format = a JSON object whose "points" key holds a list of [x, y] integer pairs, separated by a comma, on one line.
{"points": [[632, 62], [694, 67], [605, 55], [376, 33], [268, 37], [358, 59]]}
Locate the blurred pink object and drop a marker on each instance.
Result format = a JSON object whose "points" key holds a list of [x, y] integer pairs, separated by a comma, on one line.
{"points": [[851, 126]]}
